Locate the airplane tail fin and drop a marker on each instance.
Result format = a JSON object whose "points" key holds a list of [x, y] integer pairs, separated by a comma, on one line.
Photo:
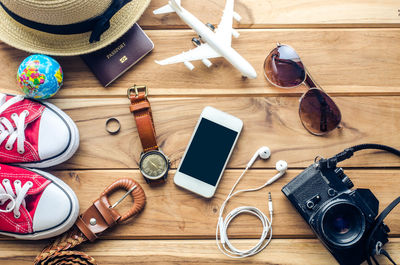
{"points": [[169, 8]]}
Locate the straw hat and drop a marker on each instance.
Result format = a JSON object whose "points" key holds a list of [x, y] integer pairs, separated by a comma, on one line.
{"points": [[25, 24]]}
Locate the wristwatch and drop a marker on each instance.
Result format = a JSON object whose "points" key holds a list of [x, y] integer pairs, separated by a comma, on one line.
{"points": [[154, 164]]}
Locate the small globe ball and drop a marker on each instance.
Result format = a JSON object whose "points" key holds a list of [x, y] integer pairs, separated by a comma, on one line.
{"points": [[40, 76]]}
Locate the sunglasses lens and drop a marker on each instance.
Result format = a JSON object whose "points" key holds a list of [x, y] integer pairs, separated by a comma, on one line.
{"points": [[284, 68], [318, 113]]}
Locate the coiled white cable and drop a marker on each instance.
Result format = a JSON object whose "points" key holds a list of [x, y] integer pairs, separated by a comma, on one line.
{"points": [[221, 236]]}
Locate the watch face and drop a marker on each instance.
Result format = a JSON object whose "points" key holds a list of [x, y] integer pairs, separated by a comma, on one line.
{"points": [[153, 165]]}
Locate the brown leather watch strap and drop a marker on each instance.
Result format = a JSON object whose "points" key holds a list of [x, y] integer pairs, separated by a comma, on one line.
{"points": [[140, 108], [156, 182]]}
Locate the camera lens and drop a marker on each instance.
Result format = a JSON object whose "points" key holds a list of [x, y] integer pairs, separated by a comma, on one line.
{"points": [[340, 225], [343, 224]]}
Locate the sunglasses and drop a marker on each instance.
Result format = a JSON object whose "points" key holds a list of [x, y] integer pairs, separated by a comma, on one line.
{"points": [[318, 113]]}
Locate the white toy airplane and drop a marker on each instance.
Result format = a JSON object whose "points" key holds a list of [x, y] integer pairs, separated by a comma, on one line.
{"points": [[214, 45]]}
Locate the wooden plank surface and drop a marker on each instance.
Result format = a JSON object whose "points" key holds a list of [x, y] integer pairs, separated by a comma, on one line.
{"points": [[351, 48], [343, 62], [172, 212], [280, 251], [281, 14], [267, 121]]}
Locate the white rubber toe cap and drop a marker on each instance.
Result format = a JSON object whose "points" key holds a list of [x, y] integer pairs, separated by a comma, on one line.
{"points": [[53, 209], [54, 135]]}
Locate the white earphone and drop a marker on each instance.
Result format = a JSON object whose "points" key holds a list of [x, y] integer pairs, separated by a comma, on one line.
{"points": [[221, 236], [281, 166], [262, 152]]}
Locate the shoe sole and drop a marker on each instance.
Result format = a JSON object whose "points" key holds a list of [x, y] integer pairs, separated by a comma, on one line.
{"points": [[68, 152], [64, 226]]}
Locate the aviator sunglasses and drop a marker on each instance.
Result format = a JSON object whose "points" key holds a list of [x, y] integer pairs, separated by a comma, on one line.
{"points": [[318, 113]]}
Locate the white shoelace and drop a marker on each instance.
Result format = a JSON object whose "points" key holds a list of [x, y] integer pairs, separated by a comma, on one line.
{"points": [[16, 199], [7, 129]]}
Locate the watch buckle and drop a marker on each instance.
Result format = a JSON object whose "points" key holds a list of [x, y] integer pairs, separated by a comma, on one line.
{"points": [[136, 89]]}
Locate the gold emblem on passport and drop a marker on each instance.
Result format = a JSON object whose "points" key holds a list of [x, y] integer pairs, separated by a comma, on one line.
{"points": [[115, 59], [123, 59]]}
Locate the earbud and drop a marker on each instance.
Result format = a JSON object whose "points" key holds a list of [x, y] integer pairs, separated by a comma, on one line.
{"points": [[264, 152], [281, 166]]}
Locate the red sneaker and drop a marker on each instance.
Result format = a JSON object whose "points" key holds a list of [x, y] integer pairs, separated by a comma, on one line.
{"points": [[35, 204], [35, 134]]}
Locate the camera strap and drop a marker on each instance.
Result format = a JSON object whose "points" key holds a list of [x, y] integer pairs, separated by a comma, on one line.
{"points": [[348, 152], [376, 248]]}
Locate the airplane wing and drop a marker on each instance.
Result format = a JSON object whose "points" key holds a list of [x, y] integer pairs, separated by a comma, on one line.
{"points": [[224, 30], [204, 51]]}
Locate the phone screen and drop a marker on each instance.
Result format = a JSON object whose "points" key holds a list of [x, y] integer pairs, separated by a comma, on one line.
{"points": [[208, 151]]}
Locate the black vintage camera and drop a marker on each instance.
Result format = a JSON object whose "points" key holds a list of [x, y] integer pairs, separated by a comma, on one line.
{"points": [[343, 219]]}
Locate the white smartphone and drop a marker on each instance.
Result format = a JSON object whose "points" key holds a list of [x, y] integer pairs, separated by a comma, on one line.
{"points": [[208, 152]]}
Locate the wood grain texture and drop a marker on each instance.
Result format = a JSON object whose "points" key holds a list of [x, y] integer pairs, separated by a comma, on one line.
{"points": [[172, 212], [280, 251], [267, 121], [343, 61], [351, 48], [284, 14]]}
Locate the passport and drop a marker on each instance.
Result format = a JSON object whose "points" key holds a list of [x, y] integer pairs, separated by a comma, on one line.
{"points": [[111, 62]]}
